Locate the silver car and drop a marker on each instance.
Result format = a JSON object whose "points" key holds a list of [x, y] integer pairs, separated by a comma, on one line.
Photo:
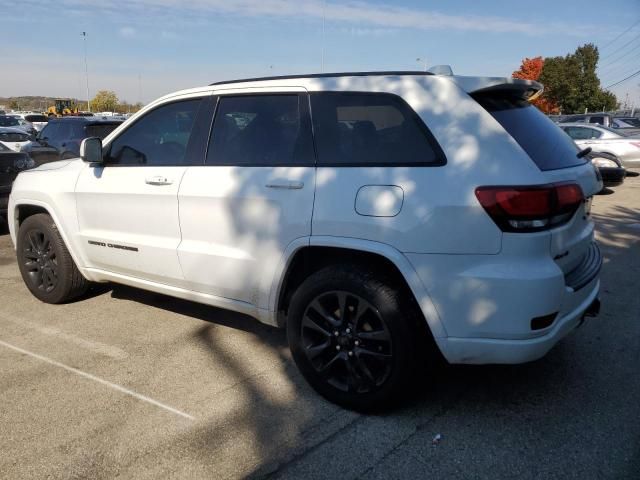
{"points": [[605, 140]]}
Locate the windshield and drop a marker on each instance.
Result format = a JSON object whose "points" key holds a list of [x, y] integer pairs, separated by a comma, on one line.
{"points": [[6, 121], [546, 144]]}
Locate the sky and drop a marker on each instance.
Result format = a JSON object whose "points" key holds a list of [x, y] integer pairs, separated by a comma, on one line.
{"points": [[142, 49]]}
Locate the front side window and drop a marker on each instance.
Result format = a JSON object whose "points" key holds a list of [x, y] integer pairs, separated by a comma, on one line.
{"points": [[159, 138], [355, 129], [261, 130], [599, 120]]}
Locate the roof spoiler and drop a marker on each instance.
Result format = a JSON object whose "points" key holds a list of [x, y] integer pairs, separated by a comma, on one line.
{"points": [[441, 70], [526, 89]]}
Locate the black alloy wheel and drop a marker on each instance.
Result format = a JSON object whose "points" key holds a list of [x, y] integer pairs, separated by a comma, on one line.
{"points": [[347, 341]]}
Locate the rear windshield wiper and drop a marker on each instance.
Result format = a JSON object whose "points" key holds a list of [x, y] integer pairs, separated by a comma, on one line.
{"points": [[584, 152]]}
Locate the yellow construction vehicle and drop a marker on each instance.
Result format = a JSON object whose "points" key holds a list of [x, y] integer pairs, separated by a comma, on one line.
{"points": [[62, 107]]}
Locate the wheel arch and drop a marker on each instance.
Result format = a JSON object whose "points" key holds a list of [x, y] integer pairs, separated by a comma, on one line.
{"points": [[24, 208], [307, 258]]}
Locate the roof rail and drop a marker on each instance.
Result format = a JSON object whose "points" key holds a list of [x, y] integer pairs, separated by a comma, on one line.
{"points": [[327, 75]]}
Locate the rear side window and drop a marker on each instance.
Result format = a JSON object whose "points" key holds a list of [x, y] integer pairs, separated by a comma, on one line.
{"points": [[261, 130], [599, 120], [100, 131], [359, 129], [582, 133], [545, 143]]}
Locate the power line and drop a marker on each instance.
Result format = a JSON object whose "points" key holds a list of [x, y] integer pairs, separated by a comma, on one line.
{"points": [[614, 69], [617, 60], [612, 41], [623, 46], [623, 80]]}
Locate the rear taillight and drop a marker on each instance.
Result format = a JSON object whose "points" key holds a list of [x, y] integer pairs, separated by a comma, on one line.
{"points": [[530, 208]]}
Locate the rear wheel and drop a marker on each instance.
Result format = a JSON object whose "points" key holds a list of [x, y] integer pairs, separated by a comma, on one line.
{"points": [[351, 335], [45, 263]]}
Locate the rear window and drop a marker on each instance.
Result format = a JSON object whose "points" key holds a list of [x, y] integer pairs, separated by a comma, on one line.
{"points": [[356, 129], [36, 118], [101, 131], [545, 143]]}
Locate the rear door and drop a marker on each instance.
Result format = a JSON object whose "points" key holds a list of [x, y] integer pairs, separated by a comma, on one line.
{"points": [[128, 207], [251, 199], [555, 154]]}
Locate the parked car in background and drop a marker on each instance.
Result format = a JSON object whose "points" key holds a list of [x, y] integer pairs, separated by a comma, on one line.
{"points": [[16, 121], [626, 122], [603, 119], [62, 136], [610, 168], [38, 120], [11, 163], [605, 140], [14, 138]]}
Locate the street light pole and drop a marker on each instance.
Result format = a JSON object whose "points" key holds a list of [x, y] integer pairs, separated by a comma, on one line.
{"points": [[324, 4], [86, 68], [424, 61]]}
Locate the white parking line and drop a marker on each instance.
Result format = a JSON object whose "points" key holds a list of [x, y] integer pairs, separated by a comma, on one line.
{"points": [[97, 379]]}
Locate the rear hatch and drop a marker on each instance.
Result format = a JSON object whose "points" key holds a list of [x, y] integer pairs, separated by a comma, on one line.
{"points": [[556, 155]]}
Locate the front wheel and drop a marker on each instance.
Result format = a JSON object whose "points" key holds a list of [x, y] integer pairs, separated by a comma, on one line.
{"points": [[45, 264], [352, 337]]}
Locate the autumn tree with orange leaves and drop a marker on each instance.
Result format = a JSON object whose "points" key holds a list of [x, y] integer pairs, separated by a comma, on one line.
{"points": [[531, 69]]}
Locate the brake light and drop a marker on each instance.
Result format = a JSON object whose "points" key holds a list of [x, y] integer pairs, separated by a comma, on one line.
{"points": [[530, 208]]}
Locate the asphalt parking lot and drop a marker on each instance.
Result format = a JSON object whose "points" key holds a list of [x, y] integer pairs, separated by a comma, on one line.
{"points": [[130, 384]]}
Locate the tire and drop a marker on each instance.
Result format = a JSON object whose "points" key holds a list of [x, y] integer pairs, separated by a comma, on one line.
{"points": [[45, 264], [361, 359]]}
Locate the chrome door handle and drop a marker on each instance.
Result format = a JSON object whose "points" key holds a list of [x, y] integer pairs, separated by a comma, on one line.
{"points": [[158, 180], [286, 185]]}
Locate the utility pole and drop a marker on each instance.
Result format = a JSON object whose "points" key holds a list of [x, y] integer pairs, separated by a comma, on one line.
{"points": [[86, 68], [324, 4]]}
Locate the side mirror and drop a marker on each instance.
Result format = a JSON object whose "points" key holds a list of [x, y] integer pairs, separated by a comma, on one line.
{"points": [[91, 150]]}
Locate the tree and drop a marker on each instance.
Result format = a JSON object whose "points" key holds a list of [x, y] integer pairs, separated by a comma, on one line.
{"points": [[104, 101], [531, 69], [571, 82]]}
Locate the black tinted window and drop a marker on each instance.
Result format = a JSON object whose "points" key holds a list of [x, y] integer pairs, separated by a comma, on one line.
{"points": [[544, 142], [50, 131], [599, 120], [370, 129], [100, 131], [36, 118], [261, 130], [159, 138]]}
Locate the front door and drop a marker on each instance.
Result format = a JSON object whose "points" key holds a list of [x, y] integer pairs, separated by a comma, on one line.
{"points": [[253, 197], [128, 207]]}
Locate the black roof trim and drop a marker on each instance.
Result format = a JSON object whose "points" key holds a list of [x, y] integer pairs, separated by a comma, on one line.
{"points": [[327, 75]]}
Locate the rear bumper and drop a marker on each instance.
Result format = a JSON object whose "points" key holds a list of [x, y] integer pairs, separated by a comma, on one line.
{"points": [[507, 308], [490, 350]]}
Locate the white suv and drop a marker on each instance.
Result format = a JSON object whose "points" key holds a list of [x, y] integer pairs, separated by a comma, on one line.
{"points": [[374, 215]]}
